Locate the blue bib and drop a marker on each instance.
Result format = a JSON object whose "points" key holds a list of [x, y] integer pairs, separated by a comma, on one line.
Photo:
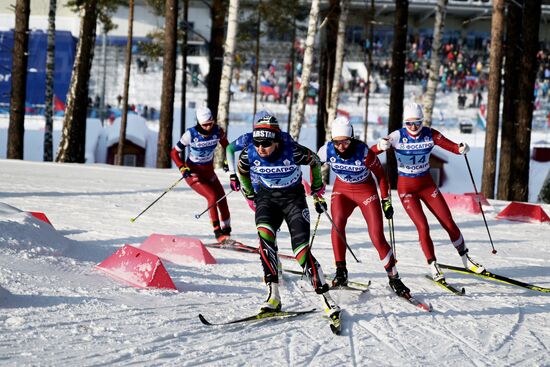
{"points": [[351, 170], [413, 154], [201, 149], [280, 173]]}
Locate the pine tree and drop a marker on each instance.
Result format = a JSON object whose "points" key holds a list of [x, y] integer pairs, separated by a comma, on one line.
{"points": [[49, 96], [435, 61], [124, 119], [397, 80], [521, 159], [307, 65], [217, 36], [227, 73], [509, 118], [16, 129], [328, 36], [164, 143], [73, 136], [493, 100]]}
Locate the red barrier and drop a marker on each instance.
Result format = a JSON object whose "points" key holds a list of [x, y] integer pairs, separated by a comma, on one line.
{"points": [[137, 268], [466, 203], [41, 216], [179, 250], [523, 212]]}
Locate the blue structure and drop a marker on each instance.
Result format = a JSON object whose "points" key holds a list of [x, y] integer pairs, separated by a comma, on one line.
{"points": [[65, 49]]}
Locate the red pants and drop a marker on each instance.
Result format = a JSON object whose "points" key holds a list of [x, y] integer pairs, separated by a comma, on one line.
{"points": [[345, 198], [411, 191], [204, 181]]}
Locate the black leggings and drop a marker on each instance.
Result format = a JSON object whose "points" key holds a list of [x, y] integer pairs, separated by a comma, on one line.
{"points": [[274, 206]]}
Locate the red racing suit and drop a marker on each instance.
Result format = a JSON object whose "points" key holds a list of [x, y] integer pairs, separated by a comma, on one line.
{"points": [[415, 184], [203, 179], [355, 187]]}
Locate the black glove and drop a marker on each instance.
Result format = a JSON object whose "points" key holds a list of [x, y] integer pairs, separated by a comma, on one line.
{"points": [[226, 167], [320, 204], [185, 171], [387, 208], [234, 182]]}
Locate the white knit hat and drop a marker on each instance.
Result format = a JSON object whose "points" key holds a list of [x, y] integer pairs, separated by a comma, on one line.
{"points": [[413, 111], [341, 127], [204, 115]]}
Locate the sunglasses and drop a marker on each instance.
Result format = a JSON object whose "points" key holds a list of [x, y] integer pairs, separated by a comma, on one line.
{"points": [[263, 143], [341, 142], [413, 123]]}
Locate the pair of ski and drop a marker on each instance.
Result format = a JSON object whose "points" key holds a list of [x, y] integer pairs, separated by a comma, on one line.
{"points": [[335, 322], [485, 274]]}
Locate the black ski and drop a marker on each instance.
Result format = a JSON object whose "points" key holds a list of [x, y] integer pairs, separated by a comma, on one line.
{"points": [[336, 323], [499, 278], [352, 286], [240, 247], [443, 284], [257, 317]]}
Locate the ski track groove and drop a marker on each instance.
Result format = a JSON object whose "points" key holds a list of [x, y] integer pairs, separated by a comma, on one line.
{"points": [[449, 334]]}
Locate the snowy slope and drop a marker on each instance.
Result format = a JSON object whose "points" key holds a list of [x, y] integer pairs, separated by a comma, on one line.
{"points": [[55, 309]]}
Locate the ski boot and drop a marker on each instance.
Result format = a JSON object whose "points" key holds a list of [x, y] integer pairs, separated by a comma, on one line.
{"points": [[329, 305], [341, 278], [437, 274], [398, 287], [471, 264], [273, 301]]}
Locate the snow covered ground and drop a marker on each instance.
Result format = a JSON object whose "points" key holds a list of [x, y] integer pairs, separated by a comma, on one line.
{"points": [[55, 309]]}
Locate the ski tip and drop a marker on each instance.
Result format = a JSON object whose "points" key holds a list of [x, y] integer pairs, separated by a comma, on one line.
{"points": [[132, 220], [203, 320], [335, 330], [462, 291]]}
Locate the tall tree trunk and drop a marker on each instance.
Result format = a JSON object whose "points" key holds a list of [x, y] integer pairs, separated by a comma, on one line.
{"points": [[257, 55], [218, 11], [493, 100], [433, 78], [48, 98], [306, 71], [227, 73], [329, 34], [184, 66], [529, 65], [166, 123], [72, 147], [339, 61], [16, 129], [103, 111], [335, 85], [292, 76], [514, 49], [369, 69], [397, 80], [124, 119]]}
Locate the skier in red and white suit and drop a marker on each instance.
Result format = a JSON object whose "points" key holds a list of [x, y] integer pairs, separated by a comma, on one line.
{"points": [[353, 162], [198, 169], [413, 145]]}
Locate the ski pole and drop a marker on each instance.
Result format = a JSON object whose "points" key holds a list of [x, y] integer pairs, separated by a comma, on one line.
{"points": [[392, 229], [312, 238], [479, 203], [340, 234], [392, 238], [197, 216], [150, 205]]}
